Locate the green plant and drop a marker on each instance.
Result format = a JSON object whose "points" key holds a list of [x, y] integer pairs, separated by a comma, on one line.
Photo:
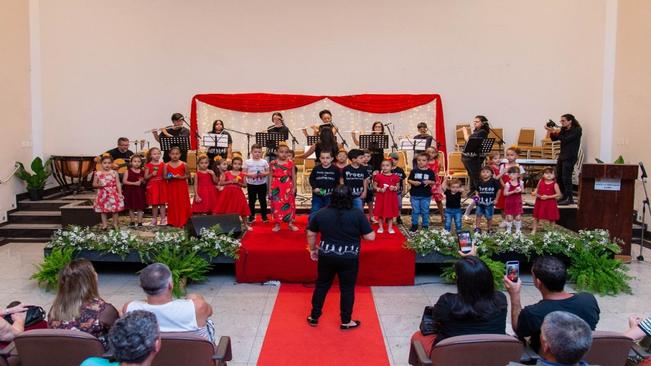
{"points": [[39, 175], [47, 273], [496, 267], [185, 265], [213, 242]]}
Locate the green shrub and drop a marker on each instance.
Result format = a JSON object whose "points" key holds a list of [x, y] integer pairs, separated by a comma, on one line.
{"points": [[47, 273]]}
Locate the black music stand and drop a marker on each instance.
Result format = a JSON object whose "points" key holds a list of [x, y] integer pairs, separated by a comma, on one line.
{"points": [[167, 143], [311, 140], [479, 147], [270, 140], [374, 141]]}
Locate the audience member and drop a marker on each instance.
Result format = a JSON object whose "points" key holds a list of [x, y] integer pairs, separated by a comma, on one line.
{"points": [[190, 314], [549, 276], [8, 330], [78, 305], [476, 308], [134, 340], [564, 340], [638, 329]]}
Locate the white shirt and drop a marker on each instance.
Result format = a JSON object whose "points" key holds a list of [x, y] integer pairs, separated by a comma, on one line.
{"points": [[174, 316], [255, 166]]}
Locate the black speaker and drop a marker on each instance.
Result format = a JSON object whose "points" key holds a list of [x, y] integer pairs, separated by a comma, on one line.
{"points": [[228, 223]]}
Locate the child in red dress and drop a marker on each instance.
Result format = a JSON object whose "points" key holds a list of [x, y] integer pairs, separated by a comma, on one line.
{"points": [[341, 162], [109, 192], [205, 193], [134, 191], [546, 195], [511, 155], [282, 189], [513, 200], [437, 191], [386, 185], [178, 193], [232, 200], [156, 186]]}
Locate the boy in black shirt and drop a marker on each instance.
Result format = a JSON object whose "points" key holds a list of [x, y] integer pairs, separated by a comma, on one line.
{"points": [[356, 176], [323, 179], [421, 180], [487, 190], [452, 190], [369, 200], [402, 175]]}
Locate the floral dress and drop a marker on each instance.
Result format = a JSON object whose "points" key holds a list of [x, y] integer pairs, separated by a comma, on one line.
{"points": [[108, 199], [95, 318], [282, 198]]}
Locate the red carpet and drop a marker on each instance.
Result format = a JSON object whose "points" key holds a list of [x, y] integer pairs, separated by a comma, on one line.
{"points": [[283, 256], [291, 341]]}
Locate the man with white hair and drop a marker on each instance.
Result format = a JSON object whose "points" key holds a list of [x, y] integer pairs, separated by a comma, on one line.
{"points": [[190, 314], [564, 340]]}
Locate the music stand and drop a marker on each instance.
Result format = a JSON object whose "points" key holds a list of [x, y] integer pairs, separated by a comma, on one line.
{"points": [[270, 140], [182, 142], [218, 140], [479, 147], [413, 144], [311, 140], [374, 141]]}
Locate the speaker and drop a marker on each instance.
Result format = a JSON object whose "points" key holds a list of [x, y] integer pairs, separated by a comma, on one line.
{"points": [[228, 223]]}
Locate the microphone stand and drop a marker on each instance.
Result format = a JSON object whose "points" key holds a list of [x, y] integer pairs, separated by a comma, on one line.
{"points": [[294, 140], [645, 205], [394, 146], [248, 139], [500, 141]]}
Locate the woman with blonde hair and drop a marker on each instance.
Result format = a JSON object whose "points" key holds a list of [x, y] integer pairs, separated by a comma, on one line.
{"points": [[78, 305]]}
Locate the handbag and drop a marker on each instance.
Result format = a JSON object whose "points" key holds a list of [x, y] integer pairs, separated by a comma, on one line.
{"points": [[427, 325], [33, 315]]}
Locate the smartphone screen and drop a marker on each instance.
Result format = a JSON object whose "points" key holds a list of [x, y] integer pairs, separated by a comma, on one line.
{"points": [[513, 270], [465, 243]]}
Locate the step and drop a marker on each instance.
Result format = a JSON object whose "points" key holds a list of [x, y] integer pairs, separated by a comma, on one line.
{"points": [[24, 240], [13, 230], [44, 205], [35, 217]]}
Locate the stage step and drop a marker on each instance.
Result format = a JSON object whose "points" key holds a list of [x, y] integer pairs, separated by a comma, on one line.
{"points": [[15, 230], [35, 217], [44, 205]]}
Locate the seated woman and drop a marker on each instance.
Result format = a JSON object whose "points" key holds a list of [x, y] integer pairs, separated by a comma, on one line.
{"points": [[10, 330], [476, 308], [78, 305]]}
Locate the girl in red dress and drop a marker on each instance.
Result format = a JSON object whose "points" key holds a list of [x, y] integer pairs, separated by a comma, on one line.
{"points": [[109, 192], [546, 195], [513, 200], [231, 199], [282, 190], [437, 191], [511, 155], [341, 161], [156, 186], [386, 186], [134, 191], [205, 193], [178, 194]]}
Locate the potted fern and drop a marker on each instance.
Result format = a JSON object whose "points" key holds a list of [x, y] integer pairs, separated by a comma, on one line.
{"points": [[36, 179]]}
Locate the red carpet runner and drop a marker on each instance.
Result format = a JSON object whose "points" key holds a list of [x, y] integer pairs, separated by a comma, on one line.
{"points": [[283, 256], [291, 341]]}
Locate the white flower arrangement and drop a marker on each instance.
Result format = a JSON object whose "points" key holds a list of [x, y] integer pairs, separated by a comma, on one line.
{"points": [[214, 242], [75, 237], [433, 240], [119, 242]]}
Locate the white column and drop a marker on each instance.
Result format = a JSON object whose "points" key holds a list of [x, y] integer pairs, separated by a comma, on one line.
{"points": [[608, 87], [36, 97]]}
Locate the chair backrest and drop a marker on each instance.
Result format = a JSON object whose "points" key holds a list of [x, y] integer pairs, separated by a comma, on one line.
{"points": [[298, 160], [460, 140], [309, 165], [526, 137], [454, 162], [477, 350], [183, 348], [442, 163], [608, 349], [46, 347]]}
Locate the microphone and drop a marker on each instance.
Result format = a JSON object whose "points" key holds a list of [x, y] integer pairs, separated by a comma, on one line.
{"points": [[643, 170]]}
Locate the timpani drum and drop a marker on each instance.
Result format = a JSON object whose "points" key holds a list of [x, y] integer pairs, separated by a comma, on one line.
{"points": [[73, 172]]}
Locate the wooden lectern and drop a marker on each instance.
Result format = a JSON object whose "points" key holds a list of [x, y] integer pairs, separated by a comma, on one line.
{"points": [[606, 198]]}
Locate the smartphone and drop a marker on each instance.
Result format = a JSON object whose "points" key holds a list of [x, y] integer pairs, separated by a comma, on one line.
{"points": [[513, 270], [465, 243]]}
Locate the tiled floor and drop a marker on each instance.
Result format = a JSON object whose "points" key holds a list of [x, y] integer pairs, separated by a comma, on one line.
{"points": [[242, 311]]}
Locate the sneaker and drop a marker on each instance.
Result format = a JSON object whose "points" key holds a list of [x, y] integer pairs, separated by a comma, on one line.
{"points": [[265, 220], [251, 219], [413, 228], [391, 231], [380, 231], [399, 220], [163, 222]]}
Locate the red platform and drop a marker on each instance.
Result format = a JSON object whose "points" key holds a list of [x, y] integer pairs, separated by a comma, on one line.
{"points": [[283, 256]]}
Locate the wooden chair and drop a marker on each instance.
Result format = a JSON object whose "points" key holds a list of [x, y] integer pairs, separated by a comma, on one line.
{"points": [[455, 167], [526, 144], [183, 348], [468, 350], [307, 169], [46, 347], [498, 135], [608, 349], [460, 142], [442, 164], [192, 161], [299, 162]]}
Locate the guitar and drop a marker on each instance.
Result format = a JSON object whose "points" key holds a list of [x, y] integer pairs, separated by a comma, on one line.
{"points": [[119, 165]]}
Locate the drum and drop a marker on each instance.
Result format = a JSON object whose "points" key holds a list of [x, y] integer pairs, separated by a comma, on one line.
{"points": [[72, 172]]}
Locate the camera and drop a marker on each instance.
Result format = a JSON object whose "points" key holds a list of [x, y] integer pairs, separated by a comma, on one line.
{"points": [[551, 124]]}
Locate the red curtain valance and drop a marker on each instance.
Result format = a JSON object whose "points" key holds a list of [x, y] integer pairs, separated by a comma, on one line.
{"points": [[371, 103]]}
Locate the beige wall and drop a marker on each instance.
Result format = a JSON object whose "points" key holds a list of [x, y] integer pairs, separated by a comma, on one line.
{"points": [[14, 98], [114, 68], [632, 93]]}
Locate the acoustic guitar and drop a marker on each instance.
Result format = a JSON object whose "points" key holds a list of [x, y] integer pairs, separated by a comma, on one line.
{"points": [[119, 165]]}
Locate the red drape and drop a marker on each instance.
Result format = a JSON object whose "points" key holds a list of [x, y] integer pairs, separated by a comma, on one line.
{"points": [[371, 103]]}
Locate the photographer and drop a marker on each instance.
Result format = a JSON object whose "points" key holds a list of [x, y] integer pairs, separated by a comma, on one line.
{"points": [[569, 134]]}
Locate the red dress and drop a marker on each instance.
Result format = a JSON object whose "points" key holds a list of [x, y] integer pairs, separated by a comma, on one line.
{"points": [[156, 186], [499, 202], [437, 191], [108, 199], [513, 202], [386, 203], [207, 191], [546, 209], [232, 200], [283, 203], [178, 197], [134, 196]]}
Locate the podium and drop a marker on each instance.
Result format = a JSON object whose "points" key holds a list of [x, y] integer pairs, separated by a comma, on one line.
{"points": [[606, 199]]}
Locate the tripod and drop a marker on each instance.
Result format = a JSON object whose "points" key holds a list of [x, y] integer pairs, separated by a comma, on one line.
{"points": [[645, 205], [394, 146], [248, 140]]}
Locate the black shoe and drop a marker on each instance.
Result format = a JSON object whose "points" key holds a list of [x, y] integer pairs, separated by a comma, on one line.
{"points": [[413, 228], [312, 322], [348, 327], [251, 219], [265, 220], [399, 220], [566, 202]]}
